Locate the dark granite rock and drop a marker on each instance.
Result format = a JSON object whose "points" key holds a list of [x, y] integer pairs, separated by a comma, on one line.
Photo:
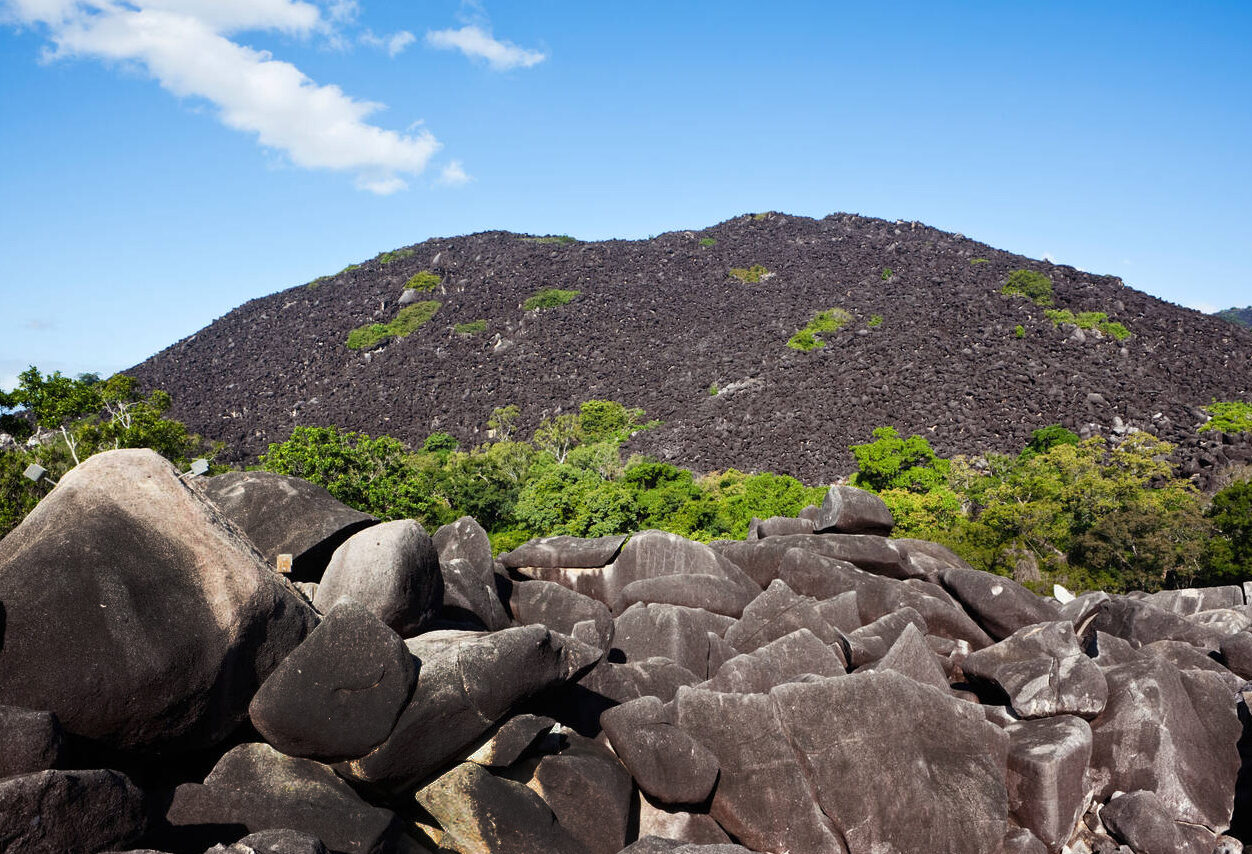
{"points": [[1184, 731], [910, 656], [695, 590], [559, 608], [1184, 656], [1236, 653], [338, 695], [999, 605], [281, 514], [565, 552], [1047, 764], [393, 570], [848, 510], [1140, 622], [669, 631], [679, 825], [667, 763], [282, 841], [1021, 841], [469, 579], [257, 788], [1109, 650], [661, 845], [483, 813], [781, 526], [1143, 822], [506, 744], [66, 812], [924, 559], [784, 660], [1041, 671], [29, 741], [461, 694], [150, 566], [775, 613], [1190, 601], [873, 640]]}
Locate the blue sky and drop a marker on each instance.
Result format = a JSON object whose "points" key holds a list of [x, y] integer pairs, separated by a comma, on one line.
{"points": [[162, 161]]}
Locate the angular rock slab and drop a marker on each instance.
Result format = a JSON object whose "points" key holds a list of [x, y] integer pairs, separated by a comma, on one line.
{"points": [[910, 656], [1141, 622], [696, 828], [56, 812], [1143, 822], [666, 762], [999, 605], [848, 510], [868, 744], [393, 570], [281, 514], [460, 695], [777, 612], [338, 695], [257, 787], [510, 740], [547, 603], [469, 579], [1042, 671], [669, 631], [713, 593], [1171, 732], [136, 613], [798, 654], [1047, 765], [565, 552], [481, 813]]}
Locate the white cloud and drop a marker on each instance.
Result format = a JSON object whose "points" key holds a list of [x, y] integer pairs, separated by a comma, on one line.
{"points": [[478, 43], [1204, 307], [393, 44], [454, 175], [182, 43]]}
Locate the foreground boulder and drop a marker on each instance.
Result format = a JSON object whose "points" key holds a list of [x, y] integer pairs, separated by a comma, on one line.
{"points": [[59, 812], [848, 510], [135, 613], [1041, 671]]}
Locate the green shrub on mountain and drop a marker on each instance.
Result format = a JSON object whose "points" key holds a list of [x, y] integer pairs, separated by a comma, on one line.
{"points": [[1030, 284]]}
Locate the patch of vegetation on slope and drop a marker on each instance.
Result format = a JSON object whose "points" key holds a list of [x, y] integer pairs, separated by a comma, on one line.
{"points": [[405, 323]]}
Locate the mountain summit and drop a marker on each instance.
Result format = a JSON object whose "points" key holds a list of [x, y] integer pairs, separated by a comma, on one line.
{"points": [[767, 342]]}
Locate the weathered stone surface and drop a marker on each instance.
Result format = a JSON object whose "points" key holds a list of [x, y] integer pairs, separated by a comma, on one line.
{"points": [[510, 740], [763, 798], [338, 695], [59, 812], [461, 694], [565, 552], [1042, 671], [1236, 653], [1019, 840], [777, 612], [1171, 732], [559, 608], [1109, 650], [1140, 622], [1047, 764], [1224, 621], [283, 841], [848, 510], [666, 762], [469, 580], [135, 613], [483, 814], [713, 593], [784, 660], [1189, 601], [924, 559], [780, 526], [393, 570], [258, 788], [1184, 656], [661, 845], [873, 640], [810, 574], [910, 656], [1144, 823], [698, 828], [281, 514], [852, 730], [587, 789], [669, 631], [999, 605], [30, 741]]}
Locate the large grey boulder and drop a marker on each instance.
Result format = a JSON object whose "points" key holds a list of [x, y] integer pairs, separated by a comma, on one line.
{"points": [[999, 605], [792, 656], [911, 656], [393, 570], [136, 613], [563, 552], [667, 762], [671, 631], [1142, 821], [469, 578], [1140, 622], [460, 695], [677, 824], [848, 510], [258, 788], [338, 695], [30, 741], [1041, 671], [67, 812], [281, 514], [1171, 732], [777, 612], [1190, 601], [1047, 766], [693, 590], [553, 605], [872, 641]]}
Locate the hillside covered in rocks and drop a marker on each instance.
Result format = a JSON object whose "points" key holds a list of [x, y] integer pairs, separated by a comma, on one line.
{"points": [[694, 327], [815, 688]]}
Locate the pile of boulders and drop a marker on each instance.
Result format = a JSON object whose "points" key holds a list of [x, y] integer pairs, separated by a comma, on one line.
{"points": [[816, 688]]}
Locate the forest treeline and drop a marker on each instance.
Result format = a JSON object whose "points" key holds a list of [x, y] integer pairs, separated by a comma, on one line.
{"points": [[1106, 513]]}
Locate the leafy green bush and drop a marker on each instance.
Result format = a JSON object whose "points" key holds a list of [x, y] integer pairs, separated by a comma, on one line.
{"points": [[892, 462], [830, 320], [1088, 320], [396, 255], [713, 389], [549, 298], [1020, 331], [473, 327], [318, 282], [749, 275], [404, 323], [887, 274], [1030, 284], [980, 260], [874, 320], [706, 242], [560, 239], [423, 281], [1229, 416]]}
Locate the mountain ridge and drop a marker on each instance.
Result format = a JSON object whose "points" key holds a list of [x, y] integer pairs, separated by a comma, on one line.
{"points": [[933, 347]]}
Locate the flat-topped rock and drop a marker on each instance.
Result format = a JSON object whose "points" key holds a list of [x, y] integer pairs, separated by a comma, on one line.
{"points": [[848, 510], [565, 552]]}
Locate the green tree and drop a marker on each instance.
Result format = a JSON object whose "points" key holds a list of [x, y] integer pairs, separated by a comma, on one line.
{"points": [[502, 421], [1230, 552], [892, 462], [558, 435]]}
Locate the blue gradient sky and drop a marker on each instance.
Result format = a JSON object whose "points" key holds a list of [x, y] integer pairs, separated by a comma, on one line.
{"points": [[1113, 136]]}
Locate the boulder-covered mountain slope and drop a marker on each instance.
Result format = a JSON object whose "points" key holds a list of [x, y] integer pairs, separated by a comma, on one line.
{"points": [[932, 347], [1241, 316]]}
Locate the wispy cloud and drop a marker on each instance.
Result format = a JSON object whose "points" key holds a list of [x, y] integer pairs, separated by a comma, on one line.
{"points": [[184, 44], [454, 175], [38, 324], [477, 42], [394, 44]]}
